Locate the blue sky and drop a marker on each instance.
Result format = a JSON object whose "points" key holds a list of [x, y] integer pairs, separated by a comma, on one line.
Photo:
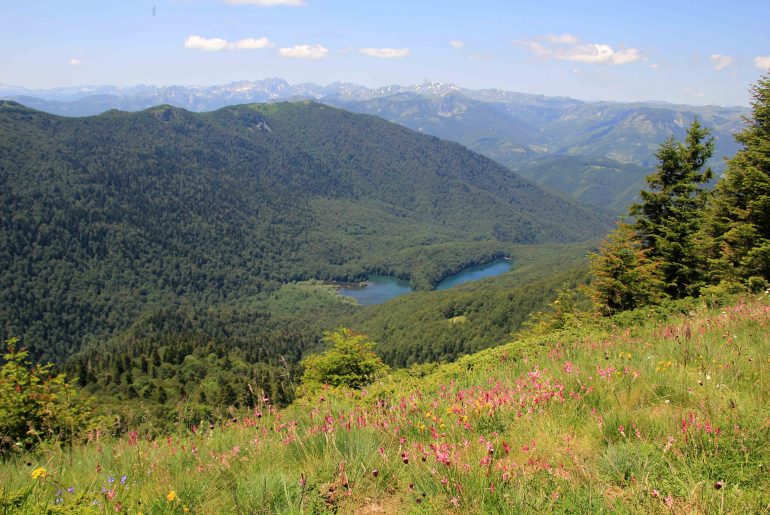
{"points": [[703, 52]]}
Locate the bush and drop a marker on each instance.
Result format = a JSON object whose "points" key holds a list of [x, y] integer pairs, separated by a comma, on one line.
{"points": [[721, 294], [35, 405], [757, 284], [350, 362]]}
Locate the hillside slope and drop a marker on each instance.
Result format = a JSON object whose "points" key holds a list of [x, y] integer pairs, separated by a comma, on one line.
{"points": [[613, 143], [598, 152], [649, 413], [101, 217]]}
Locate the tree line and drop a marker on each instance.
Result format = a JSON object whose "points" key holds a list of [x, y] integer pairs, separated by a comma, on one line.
{"points": [[683, 238]]}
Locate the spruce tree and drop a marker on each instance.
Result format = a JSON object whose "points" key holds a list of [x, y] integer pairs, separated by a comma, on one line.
{"points": [[624, 277], [670, 213], [737, 229]]}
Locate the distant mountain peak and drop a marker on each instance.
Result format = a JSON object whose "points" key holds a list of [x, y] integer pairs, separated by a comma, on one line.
{"points": [[434, 88]]}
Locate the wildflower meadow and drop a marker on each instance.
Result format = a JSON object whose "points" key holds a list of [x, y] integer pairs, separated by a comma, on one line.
{"points": [[667, 415]]}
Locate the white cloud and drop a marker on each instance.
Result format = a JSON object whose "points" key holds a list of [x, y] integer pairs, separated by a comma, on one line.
{"points": [[720, 62], [385, 53], [266, 3], [304, 52], [75, 62], [251, 44], [218, 44], [566, 39], [482, 56], [205, 44], [456, 43], [566, 47], [762, 62]]}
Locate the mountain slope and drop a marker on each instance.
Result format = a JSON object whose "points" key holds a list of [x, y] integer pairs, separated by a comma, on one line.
{"points": [[597, 181], [105, 216], [650, 412], [596, 152], [612, 141]]}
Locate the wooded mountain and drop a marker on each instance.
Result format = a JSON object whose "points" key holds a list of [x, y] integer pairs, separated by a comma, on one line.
{"points": [[598, 152], [104, 217]]}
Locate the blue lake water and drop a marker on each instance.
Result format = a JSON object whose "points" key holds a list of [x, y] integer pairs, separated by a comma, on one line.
{"points": [[380, 288], [474, 273]]}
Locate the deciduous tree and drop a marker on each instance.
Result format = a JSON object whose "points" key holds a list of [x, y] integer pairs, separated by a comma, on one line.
{"points": [[351, 361]]}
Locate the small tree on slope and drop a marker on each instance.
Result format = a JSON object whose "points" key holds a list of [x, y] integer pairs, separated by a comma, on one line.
{"points": [[623, 275], [350, 362]]}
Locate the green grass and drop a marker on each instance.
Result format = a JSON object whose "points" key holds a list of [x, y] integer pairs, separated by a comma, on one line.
{"points": [[670, 415]]}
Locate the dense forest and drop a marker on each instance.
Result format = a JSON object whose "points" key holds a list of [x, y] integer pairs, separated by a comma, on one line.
{"points": [[597, 152], [235, 354], [107, 217]]}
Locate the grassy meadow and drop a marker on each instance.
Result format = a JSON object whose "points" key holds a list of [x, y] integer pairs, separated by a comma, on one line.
{"points": [[644, 413]]}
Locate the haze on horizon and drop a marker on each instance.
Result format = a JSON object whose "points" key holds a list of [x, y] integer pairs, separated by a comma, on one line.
{"points": [[706, 52]]}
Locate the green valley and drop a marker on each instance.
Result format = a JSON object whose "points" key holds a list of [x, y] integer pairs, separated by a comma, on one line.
{"points": [[107, 217]]}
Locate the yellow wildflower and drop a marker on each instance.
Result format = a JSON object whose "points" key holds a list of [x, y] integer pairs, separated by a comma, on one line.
{"points": [[171, 496], [39, 473]]}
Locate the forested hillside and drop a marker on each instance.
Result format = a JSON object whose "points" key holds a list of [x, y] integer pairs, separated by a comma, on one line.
{"points": [[210, 358], [597, 152], [109, 216]]}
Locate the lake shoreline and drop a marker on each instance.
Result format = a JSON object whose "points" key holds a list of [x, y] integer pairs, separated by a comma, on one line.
{"points": [[381, 288]]}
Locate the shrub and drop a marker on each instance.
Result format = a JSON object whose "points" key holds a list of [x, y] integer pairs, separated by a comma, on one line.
{"points": [[35, 404], [350, 362], [757, 284]]}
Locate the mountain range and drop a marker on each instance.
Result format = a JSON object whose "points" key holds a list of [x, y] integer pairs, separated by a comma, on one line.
{"points": [[597, 152]]}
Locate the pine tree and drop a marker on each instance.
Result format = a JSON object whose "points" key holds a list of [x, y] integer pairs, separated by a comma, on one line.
{"points": [[737, 229], [670, 213], [624, 276]]}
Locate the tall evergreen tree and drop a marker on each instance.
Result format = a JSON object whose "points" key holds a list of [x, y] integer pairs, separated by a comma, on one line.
{"points": [[737, 226], [670, 213]]}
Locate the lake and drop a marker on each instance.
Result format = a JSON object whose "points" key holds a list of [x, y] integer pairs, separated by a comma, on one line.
{"points": [[380, 288]]}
